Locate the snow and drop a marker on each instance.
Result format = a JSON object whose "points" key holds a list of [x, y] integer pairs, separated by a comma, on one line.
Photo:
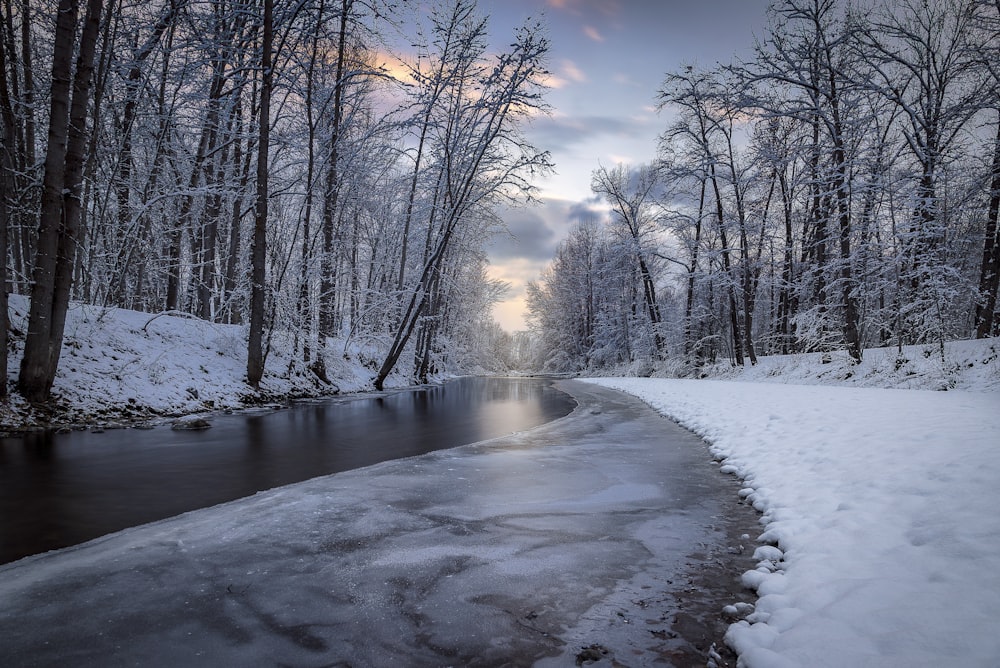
{"points": [[881, 540], [120, 364], [954, 365]]}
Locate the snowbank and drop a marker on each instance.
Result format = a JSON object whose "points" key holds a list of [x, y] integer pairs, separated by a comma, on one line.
{"points": [[957, 365], [119, 364], [881, 544]]}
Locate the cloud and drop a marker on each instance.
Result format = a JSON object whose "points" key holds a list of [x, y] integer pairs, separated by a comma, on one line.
{"points": [[568, 73], [516, 273], [511, 310], [528, 237], [592, 33], [586, 211], [624, 79], [572, 72], [510, 313], [535, 231], [538, 231], [564, 131], [617, 159]]}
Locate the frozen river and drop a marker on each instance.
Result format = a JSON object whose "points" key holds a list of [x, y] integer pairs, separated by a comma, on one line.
{"points": [[606, 535], [58, 490]]}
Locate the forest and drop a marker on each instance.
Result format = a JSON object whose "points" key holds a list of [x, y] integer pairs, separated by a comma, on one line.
{"points": [[838, 191], [277, 164], [331, 169]]}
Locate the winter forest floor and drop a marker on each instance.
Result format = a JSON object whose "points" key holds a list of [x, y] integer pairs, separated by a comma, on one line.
{"points": [[125, 367]]}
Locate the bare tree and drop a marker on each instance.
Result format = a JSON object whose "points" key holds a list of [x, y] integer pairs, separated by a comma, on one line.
{"points": [[987, 53], [60, 213], [482, 154], [919, 53], [692, 92], [631, 194], [808, 52], [258, 252]]}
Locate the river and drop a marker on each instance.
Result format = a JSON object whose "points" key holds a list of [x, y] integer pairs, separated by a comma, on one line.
{"points": [[58, 490]]}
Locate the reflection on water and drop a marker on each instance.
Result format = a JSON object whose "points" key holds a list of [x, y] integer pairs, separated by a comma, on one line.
{"points": [[61, 489]]}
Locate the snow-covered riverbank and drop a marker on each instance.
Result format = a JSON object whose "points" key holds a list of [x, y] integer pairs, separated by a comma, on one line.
{"points": [[119, 365], [881, 540], [956, 365], [126, 365]]}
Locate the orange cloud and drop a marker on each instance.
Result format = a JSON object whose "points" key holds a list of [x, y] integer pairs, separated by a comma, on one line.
{"points": [[592, 33], [551, 80], [510, 312]]}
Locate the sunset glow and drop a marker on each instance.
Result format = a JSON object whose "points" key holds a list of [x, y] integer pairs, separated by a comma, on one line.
{"points": [[608, 59]]}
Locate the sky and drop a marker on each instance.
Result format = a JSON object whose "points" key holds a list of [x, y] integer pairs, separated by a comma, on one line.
{"points": [[608, 59]]}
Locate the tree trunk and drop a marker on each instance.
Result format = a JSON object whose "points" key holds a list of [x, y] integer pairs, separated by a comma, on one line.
{"points": [[785, 301], [4, 218], [215, 174], [415, 308], [258, 252], [206, 144], [123, 185], [987, 319], [236, 219], [7, 161], [852, 334], [303, 306], [61, 199], [328, 296], [692, 273], [21, 210], [734, 321], [139, 246], [652, 308], [6, 183]]}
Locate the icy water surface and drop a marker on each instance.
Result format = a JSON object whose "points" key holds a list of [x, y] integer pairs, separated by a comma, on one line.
{"points": [[607, 538], [58, 490]]}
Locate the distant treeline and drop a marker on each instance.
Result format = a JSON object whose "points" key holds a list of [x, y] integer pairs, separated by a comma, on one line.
{"points": [[838, 191]]}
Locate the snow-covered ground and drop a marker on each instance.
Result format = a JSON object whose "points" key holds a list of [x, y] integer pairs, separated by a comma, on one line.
{"points": [[119, 364], [881, 537], [956, 365]]}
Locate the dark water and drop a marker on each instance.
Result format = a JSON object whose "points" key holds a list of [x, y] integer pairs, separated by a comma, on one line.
{"points": [[62, 489]]}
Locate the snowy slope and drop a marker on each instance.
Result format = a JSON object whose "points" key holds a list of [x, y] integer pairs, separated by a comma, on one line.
{"points": [[881, 541], [956, 365], [118, 364]]}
